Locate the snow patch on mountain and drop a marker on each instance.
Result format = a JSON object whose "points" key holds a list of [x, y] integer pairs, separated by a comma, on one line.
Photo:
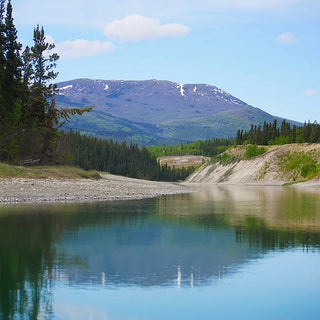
{"points": [[181, 89], [217, 90], [66, 87]]}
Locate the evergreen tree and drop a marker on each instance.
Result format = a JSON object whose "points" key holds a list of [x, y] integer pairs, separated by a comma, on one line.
{"points": [[29, 121], [12, 72], [27, 71], [11, 110], [43, 66], [2, 59], [271, 134]]}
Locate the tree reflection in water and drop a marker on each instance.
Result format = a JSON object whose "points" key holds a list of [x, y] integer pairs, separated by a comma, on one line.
{"points": [[178, 240], [27, 259]]}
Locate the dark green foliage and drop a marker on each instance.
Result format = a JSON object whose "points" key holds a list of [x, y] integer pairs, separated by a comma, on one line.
{"points": [[43, 66], [10, 74], [12, 65], [2, 53], [213, 147], [29, 120], [116, 158], [272, 134]]}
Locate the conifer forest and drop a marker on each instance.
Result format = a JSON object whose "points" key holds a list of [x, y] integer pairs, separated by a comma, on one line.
{"points": [[30, 122]]}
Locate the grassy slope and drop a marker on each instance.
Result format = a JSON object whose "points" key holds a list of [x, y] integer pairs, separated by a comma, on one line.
{"points": [[103, 125], [293, 162], [222, 125], [58, 172], [175, 150]]}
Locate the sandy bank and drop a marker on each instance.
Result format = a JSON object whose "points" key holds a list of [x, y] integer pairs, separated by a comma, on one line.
{"points": [[110, 187], [264, 169], [308, 184], [311, 184]]}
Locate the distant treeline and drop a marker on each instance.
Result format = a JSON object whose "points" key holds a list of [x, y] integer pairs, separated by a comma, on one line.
{"points": [[216, 146], [116, 158], [209, 148], [272, 134]]}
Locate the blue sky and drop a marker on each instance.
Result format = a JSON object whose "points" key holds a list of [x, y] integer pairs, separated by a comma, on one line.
{"points": [[265, 52]]}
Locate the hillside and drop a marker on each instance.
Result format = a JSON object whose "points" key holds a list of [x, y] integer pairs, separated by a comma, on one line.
{"points": [[157, 112], [276, 166]]}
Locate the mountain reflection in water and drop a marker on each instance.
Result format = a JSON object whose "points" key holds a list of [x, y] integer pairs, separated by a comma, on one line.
{"points": [[189, 240]]}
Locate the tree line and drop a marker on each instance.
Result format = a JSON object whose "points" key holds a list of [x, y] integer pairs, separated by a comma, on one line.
{"points": [[29, 120], [209, 148], [273, 134], [213, 147], [116, 158]]}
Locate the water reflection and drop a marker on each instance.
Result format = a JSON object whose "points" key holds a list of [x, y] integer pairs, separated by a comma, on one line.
{"points": [[182, 241]]}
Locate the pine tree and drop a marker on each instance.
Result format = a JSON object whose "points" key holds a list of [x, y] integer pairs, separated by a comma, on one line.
{"points": [[2, 59], [27, 71], [10, 86], [29, 121], [13, 63], [43, 66]]}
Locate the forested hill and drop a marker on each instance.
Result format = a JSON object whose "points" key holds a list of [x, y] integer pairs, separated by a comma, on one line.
{"points": [[157, 112]]}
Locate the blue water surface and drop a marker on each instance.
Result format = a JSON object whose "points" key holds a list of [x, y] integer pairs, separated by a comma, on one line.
{"points": [[220, 253]]}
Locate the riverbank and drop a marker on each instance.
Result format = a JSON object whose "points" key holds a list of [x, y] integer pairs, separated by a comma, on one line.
{"points": [[277, 165], [109, 187]]}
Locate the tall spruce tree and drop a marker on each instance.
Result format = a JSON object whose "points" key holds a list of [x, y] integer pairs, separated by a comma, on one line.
{"points": [[29, 120], [27, 71], [2, 59], [10, 86], [43, 63], [13, 63]]}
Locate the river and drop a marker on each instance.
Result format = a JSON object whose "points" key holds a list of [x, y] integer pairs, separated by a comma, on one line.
{"points": [[224, 252]]}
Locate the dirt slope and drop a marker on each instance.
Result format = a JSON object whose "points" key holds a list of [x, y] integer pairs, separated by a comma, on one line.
{"points": [[265, 169], [183, 161]]}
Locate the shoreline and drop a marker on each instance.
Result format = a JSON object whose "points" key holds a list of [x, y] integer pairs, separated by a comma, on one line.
{"points": [[109, 188], [313, 183]]}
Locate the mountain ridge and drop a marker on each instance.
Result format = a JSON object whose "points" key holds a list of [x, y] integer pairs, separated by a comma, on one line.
{"points": [[157, 111]]}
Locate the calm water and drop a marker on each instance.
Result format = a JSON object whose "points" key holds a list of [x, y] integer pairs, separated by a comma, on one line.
{"points": [[222, 253]]}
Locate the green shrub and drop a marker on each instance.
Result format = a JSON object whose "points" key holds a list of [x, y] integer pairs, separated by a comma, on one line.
{"points": [[253, 151], [225, 158], [302, 164], [308, 170], [279, 141]]}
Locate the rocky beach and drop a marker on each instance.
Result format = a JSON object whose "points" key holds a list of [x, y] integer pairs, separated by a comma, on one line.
{"points": [[109, 187]]}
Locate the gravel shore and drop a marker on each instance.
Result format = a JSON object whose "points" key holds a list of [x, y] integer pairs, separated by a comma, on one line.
{"points": [[110, 187]]}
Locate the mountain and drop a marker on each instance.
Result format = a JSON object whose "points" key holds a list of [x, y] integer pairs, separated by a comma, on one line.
{"points": [[157, 112]]}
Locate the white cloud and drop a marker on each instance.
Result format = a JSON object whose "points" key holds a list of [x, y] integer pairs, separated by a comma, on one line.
{"points": [[81, 48], [286, 37], [310, 92], [49, 39], [136, 27]]}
